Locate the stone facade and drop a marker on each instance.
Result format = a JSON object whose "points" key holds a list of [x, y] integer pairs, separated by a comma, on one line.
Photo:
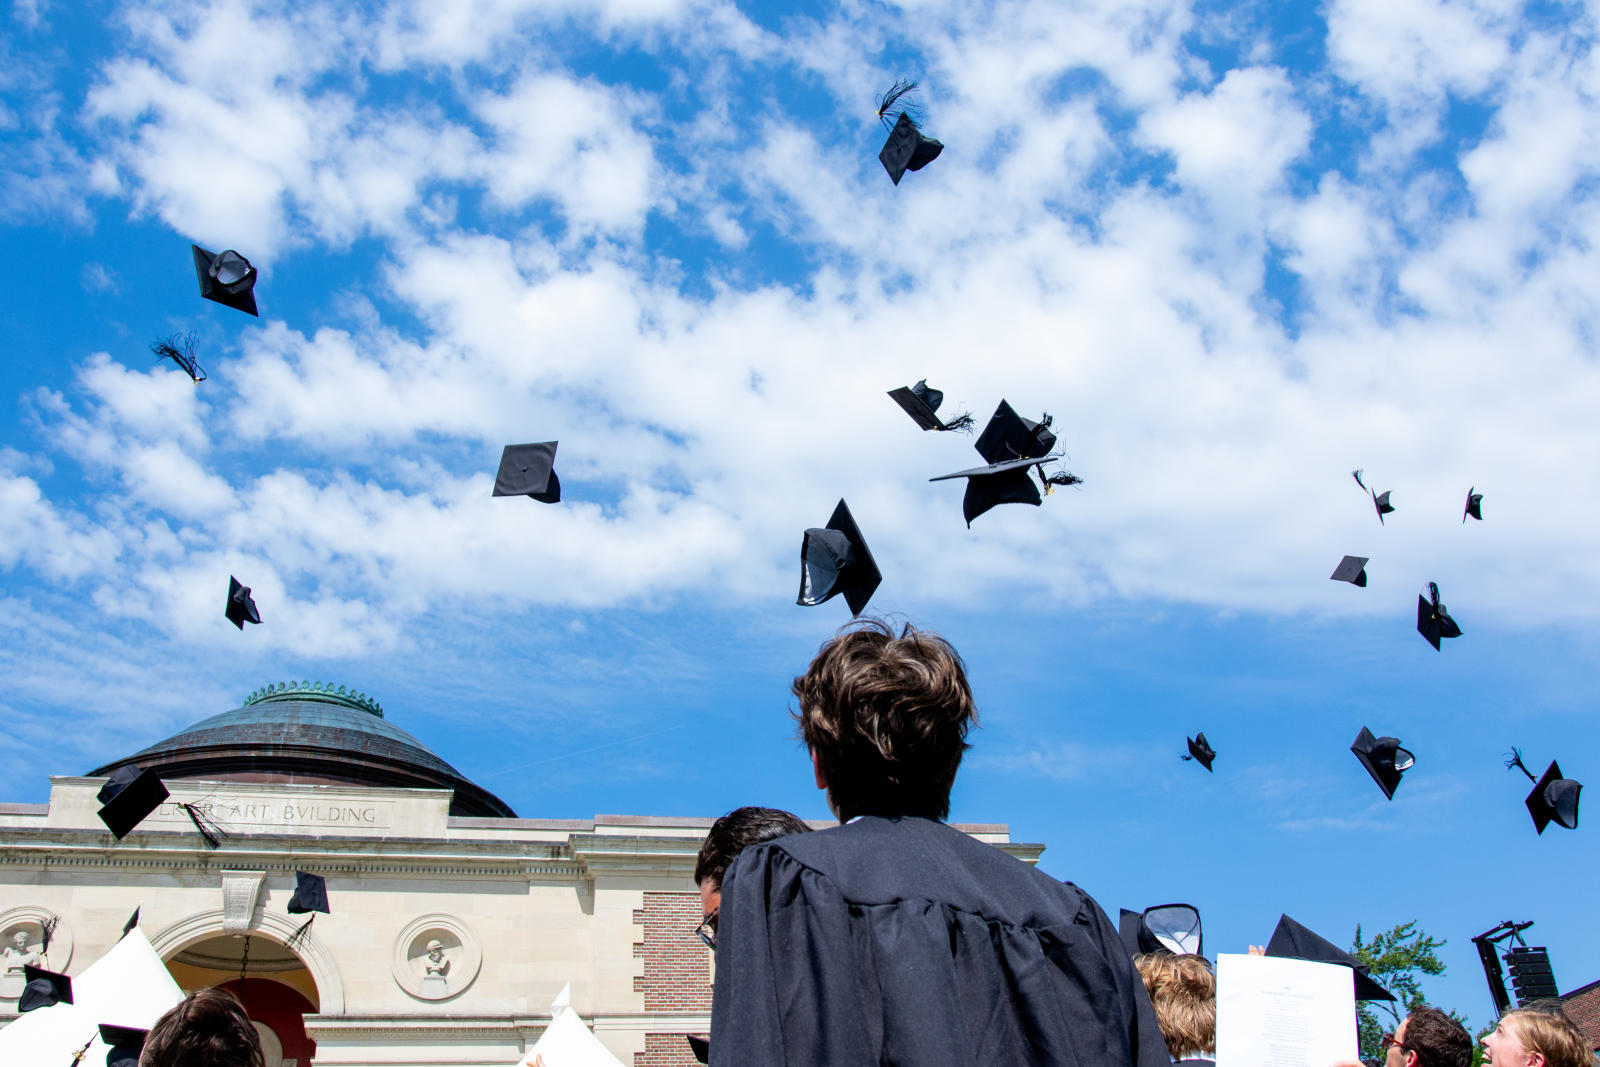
{"points": [[448, 935]]}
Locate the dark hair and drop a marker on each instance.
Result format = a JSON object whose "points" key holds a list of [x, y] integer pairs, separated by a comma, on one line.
{"points": [[887, 718], [209, 1029], [737, 831], [1437, 1039]]}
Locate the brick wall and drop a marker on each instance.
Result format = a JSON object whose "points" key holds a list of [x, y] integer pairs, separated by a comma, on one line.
{"points": [[1583, 1008], [677, 966], [665, 1050]]}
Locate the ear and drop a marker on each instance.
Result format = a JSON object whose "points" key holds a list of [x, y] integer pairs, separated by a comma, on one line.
{"points": [[816, 769]]}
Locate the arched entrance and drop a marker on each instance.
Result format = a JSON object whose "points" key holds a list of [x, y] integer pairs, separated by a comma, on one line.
{"points": [[277, 990]]}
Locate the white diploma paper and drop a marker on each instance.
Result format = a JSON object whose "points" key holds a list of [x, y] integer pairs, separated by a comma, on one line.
{"points": [[1274, 1012]]}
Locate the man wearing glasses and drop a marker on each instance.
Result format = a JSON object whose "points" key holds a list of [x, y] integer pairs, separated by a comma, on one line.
{"points": [[1425, 1038], [729, 836]]}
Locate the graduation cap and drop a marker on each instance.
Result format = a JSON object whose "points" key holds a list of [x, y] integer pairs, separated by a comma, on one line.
{"points": [[699, 1047], [43, 989], [921, 403], [529, 470], [310, 895], [835, 559], [1352, 569], [1170, 928], [1383, 758], [1010, 445], [132, 923], [1554, 798], [180, 349], [240, 608], [1381, 502], [907, 148], [1474, 506], [124, 1044], [1433, 621], [1200, 750], [226, 277], [129, 795], [1292, 941]]}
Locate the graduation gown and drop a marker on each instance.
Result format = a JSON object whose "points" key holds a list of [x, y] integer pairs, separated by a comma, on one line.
{"points": [[903, 941]]}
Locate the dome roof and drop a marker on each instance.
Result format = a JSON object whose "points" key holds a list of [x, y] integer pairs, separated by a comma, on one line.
{"points": [[309, 733]]}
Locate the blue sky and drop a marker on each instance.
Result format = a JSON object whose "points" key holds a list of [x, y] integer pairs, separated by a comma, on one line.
{"points": [[1235, 249]]}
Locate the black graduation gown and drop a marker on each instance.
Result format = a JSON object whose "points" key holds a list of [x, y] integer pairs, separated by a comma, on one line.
{"points": [[906, 942]]}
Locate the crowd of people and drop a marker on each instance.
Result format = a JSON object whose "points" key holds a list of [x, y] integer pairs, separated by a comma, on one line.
{"points": [[893, 938]]}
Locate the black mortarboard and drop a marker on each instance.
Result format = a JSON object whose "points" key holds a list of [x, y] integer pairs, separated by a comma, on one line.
{"points": [[529, 470], [310, 894], [1381, 502], [700, 1048], [1170, 928], [1200, 750], [922, 404], [125, 1043], [1011, 445], [180, 349], [131, 924], [43, 989], [836, 559], [1554, 798], [241, 608], [1383, 758], [1293, 941], [128, 796], [1433, 621], [226, 277], [907, 148], [1474, 505], [1352, 569]]}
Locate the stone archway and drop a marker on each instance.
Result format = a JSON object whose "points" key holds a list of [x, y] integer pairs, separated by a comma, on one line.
{"points": [[328, 989]]}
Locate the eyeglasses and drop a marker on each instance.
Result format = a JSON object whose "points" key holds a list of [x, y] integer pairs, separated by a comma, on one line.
{"points": [[1389, 1039], [707, 930]]}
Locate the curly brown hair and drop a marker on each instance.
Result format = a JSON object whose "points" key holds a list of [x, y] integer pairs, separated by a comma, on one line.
{"points": [[886, 717], [1437, 1039], [209, 1029]]}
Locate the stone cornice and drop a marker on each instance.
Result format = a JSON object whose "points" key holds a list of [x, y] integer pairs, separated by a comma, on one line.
{"points": [[614, 854]]}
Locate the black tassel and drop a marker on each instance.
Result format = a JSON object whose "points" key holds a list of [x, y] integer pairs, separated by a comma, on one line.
{"points": [[1516, 761], [962, 423], [297, 939], [208, 827], [180, 349]]}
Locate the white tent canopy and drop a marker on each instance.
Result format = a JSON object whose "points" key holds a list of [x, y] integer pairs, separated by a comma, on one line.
{"points": [[128, 986], [566, 1042]]}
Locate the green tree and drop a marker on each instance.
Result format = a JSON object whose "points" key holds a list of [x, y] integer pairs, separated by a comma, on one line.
{"points": [[1397, 959]]}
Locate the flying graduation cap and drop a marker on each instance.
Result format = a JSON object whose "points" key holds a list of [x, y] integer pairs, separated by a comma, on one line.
{"points": [[1433, 621], [1201, 750], [44, 989], [131, 924], [1170, 928], [529, 470], [922, 404], [128, 797], [1474, 505], [907, 148], [1384, 759], [226, 277], [241, 608], [1292, 941], [1380, 501], [1011, 445], [180, 349], [699, 1047], [835, 559], [310, 896], [1352, 569], [124, 1044], [1554, 799]]}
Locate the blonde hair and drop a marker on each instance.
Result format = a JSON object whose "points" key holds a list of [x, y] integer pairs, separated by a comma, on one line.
{"points": [[1183, 990], [1552, 1036]]}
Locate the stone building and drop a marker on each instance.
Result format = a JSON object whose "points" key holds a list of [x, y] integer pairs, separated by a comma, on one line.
{"points": [[452, 925]]}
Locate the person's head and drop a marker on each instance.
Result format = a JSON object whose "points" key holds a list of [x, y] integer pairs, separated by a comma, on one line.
{"points": [[20, 939], [435, 947], [1429, 1038], [1183, 991], [731, 835], [886, 719], [209, 1029], [1530, 1038]]}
